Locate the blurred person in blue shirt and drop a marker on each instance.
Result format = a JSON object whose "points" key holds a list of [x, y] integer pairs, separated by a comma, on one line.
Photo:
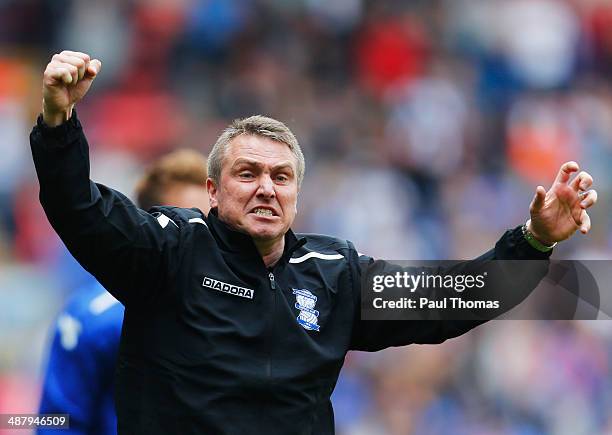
{"points": [[80, 372]]}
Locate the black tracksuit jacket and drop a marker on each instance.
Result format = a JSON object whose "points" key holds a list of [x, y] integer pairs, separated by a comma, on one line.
{"points": [[212, 341]]}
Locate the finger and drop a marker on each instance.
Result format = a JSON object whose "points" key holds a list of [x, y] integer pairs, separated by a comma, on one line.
{"points": [[588, 199], [538, 200], [65, 68], [565, 172], [75, 61], [93, 68], [583, 181], [80, 64], [78, 54], [585, 222], [74, 72], [59, 73]]}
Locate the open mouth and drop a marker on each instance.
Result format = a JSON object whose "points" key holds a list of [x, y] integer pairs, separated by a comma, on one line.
{"points": [[261, 211]]}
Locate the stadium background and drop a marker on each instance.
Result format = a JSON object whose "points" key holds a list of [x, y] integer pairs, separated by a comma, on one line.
{"points": [[426, 127]]}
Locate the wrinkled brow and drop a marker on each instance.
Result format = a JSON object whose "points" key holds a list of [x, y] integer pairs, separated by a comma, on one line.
{"points": [[250, 162]]}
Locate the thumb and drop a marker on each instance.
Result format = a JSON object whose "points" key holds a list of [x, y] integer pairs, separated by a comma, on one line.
{"points": [[538, 200], [91, 72], [93, 69]]}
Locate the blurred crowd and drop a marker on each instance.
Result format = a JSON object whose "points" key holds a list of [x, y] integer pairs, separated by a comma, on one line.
{"points": [[426, 125]]}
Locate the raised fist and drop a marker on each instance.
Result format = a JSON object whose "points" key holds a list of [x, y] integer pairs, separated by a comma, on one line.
{"points": [[66, 80]]}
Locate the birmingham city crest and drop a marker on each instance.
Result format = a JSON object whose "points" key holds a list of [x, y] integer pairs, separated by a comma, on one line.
{"points": [[305, 302]]}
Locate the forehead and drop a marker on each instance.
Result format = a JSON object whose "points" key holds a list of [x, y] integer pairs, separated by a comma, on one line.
{"points": [[261, 149]]}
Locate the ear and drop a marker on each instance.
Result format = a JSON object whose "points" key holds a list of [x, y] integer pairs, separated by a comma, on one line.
{"points": [[212, 192]]}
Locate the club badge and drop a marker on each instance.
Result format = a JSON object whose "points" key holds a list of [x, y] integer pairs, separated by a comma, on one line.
{"points": [[305, 302]]}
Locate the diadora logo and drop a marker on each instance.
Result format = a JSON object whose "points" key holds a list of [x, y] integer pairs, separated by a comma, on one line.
{"points": [[228, 288], [305, 302]]}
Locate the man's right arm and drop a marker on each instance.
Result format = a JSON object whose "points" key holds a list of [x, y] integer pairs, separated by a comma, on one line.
{"points": [[128, 250]]}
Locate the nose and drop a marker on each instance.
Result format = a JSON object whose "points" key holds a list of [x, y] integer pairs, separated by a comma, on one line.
{"points": [[266, 187]]}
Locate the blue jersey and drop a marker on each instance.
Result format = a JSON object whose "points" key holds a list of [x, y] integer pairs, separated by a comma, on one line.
{"points": [[80, 372]]}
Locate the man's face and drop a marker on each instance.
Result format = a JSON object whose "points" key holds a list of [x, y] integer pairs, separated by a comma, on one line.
{"points": [[258, 191]]}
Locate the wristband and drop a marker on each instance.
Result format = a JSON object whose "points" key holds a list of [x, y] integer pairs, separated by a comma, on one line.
{"points": [[535, 243]]}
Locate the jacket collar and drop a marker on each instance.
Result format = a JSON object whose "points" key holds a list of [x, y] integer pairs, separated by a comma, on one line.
{"points": [[237, 242]]}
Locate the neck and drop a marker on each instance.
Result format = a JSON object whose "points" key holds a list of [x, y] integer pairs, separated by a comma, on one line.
{"points": [[270, 250]]}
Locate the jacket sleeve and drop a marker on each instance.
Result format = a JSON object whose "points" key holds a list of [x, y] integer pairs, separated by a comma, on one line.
{"points": [[132, 253], [514, 280]]}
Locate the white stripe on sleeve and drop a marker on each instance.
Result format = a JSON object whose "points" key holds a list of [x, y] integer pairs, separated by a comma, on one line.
{"points": [[316, 255]]}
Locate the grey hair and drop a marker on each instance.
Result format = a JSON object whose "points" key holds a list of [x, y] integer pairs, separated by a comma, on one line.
{"points": [[258, 126]]}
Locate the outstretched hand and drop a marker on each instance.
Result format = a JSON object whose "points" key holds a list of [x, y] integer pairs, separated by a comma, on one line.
{"points": [[558, 213], [66, 80]]}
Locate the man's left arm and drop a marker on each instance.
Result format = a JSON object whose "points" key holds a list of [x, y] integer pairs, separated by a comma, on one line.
{"points": [[556, 214]]}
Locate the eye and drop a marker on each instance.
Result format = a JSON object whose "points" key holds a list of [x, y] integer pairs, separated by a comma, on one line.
{"points": [[246, 175], [282, 178]]}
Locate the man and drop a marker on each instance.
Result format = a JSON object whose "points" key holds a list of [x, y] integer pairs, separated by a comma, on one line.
{"points": [[233, 324], [81, 366]]}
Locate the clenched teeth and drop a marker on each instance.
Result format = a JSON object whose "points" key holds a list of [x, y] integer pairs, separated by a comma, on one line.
{"points": [[262, 212]]}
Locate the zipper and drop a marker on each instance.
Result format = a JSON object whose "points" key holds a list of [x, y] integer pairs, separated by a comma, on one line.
{"points": [[272, 282], [271, 331], [272, 319]]}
